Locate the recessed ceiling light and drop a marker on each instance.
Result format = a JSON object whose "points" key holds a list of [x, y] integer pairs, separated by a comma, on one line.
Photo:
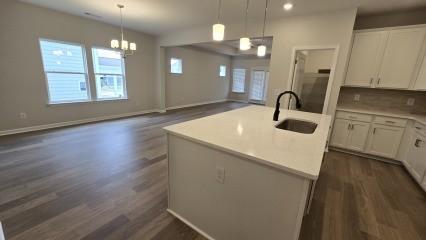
{"points": [[288, 6]]}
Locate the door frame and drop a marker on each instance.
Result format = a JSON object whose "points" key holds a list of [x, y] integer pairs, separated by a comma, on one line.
{"points": [[332, 69], [265, 87]]}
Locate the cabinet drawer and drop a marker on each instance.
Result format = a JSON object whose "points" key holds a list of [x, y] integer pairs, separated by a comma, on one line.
{"points": [[354, 116], [420, 128], [390, 121]]}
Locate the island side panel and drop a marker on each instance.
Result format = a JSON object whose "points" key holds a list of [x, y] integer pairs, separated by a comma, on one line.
{"points": [[255, 201]]}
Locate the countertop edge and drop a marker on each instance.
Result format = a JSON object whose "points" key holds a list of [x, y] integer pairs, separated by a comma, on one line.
{"points": [[252, 158], [387, 114]]}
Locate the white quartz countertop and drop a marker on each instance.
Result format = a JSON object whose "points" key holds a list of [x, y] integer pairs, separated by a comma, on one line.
{"points": [[418, 118], [249, 132]]}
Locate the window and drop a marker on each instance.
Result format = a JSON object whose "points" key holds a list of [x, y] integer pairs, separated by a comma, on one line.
{"points": [[65, 69], [176, 65], [222, 71], [109, 74], [238, 80], [258, 85]]}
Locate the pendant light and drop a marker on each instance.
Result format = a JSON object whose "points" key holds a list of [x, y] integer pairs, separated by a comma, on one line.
{"points": [[261, 49], [245, 43], [218, 28], [125, 46]]}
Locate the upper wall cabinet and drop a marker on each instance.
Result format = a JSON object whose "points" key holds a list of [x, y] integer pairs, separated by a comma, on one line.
{"points": [[386, 59], [366, 55], [421, 79], [400, 59]]}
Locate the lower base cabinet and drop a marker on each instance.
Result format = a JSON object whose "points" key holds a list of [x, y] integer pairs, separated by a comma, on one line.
{"points": [[384, 140], [375, 135]]}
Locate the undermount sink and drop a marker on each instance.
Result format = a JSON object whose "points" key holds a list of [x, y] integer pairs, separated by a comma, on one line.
{"points": [[299, 126]]}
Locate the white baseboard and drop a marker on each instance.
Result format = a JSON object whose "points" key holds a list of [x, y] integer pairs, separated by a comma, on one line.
{"points": [[235, 100], [76, 122], [387, 160], [190, 224], [196, 104]]}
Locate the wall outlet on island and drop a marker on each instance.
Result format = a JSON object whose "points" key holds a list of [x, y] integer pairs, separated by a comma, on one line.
{"points": [[357, 97], [220, 174], [410, 101]]}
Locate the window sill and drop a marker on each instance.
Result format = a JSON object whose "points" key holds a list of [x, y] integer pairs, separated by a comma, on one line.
{"points": [[87, 102]]}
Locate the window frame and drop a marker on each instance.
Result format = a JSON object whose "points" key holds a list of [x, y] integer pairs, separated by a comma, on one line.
{"points": [[245, 78], [220, 66], [181, 66], [85, 73], [123, 75]]}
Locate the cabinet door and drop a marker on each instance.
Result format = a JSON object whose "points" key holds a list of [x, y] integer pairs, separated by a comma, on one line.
{"points": [[400, 58], [421, 79], [384, 140], [366, 55], [340, 133], [417, 156], [358, 136]]}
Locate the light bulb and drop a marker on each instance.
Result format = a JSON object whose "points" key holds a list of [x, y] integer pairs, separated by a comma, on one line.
{"points": [[133, 46], [115, 43], [261, 51], [124, 45], [245, 44], [218, 32], [288, 6]]}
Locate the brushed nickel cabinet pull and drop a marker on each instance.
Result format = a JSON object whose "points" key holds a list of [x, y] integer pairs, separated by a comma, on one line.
{"points": [[390, 122], [349, 126], [371, 80], [378, 81], [374, 130]]}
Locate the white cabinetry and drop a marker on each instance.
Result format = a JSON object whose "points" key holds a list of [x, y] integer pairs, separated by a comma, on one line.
{"points": [[421, 79], [388, 59], [375, 135], [366, 55], [400, 58], [415, 161], [384, 140]]}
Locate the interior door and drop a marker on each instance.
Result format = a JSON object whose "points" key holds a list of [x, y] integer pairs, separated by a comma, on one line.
{"points": [[400, 58], [384, 140], [358, 136], [366, 55], [340, 133], [258, 86], [299, 70]]}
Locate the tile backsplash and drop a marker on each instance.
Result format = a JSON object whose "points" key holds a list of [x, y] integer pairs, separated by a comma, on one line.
{"points": [[383, 99]]}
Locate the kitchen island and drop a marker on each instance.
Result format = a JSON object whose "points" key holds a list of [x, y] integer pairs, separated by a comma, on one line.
{"points": [[235, 175]]}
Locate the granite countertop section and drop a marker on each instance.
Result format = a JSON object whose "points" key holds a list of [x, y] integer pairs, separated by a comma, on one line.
{"points": [[388, 113], [250, 133]]}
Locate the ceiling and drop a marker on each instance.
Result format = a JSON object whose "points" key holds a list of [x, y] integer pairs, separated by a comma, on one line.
{"points": [[160, 16], [231, 48]]}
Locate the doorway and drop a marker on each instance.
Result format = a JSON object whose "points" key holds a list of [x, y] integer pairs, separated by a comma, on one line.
{"points": [[312, 77], [258, 85]]}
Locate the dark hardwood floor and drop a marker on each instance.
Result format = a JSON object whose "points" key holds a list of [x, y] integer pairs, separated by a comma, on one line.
{"points": [[108, 181]]}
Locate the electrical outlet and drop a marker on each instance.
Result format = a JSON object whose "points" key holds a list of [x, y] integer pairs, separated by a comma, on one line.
{"points": [[410, 101], [220, 175], [356, 97], [23, 115]]}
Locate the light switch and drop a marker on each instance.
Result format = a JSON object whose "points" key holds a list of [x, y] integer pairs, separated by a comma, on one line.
{"points": [[220, 174]]}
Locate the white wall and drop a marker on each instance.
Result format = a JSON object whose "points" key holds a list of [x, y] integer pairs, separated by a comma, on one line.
{"points": [[318, 59], [200, 81], [22, 83], [247, 63], [330, 28]]}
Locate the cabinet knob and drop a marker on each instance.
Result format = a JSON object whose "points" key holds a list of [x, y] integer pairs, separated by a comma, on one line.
{"points": [[418, 142]]}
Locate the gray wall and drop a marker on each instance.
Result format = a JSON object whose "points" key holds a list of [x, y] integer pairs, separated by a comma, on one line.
{"points": [[200, 81], [392, 19], [22, 81], [247, 63], [325, 29]]}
